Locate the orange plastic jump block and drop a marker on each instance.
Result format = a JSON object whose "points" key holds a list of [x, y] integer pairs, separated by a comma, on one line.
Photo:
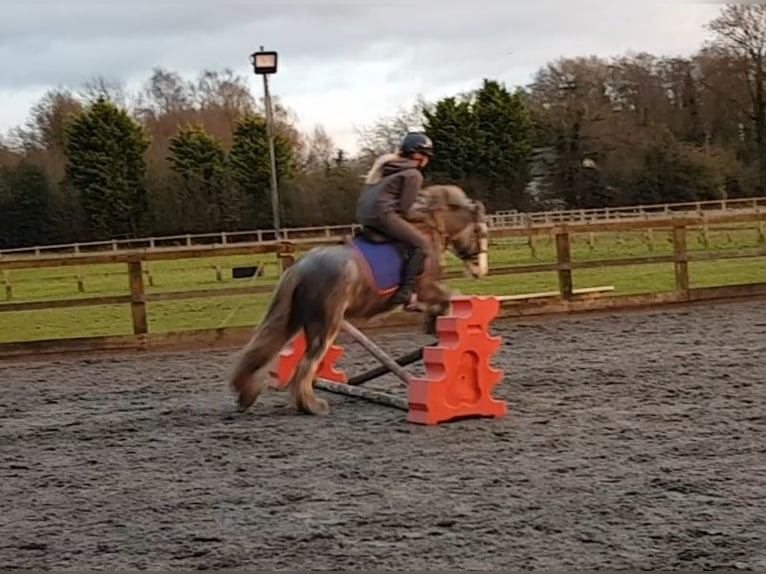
{"points": [[290, 356], [459, 379]]}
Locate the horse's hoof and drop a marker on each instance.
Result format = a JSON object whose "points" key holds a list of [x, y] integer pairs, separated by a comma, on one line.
{"points": [[244, 404], [317, 407], [321, 408], [246, 399]]}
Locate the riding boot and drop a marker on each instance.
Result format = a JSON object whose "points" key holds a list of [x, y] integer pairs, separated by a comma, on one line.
{"points": [[412, 269]]}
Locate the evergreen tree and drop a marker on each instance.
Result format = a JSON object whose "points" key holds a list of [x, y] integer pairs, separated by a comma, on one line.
{"points": [[451, 126], [504, 142], [484, 143], [105, 164], [24, 208], [251, 166], [7, 238], [199, 161]]}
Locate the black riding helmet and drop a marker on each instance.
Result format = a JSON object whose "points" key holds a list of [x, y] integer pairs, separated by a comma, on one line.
{"points": [[417, 142]]}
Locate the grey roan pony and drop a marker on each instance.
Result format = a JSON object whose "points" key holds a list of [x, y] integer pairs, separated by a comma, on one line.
{"points": [[329, 284]]}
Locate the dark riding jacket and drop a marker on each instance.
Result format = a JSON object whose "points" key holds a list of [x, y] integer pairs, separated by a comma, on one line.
{"points": [[396, 191]]}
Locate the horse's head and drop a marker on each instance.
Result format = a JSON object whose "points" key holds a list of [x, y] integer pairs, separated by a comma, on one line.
{"points": [[471, 243], [464, 225]]}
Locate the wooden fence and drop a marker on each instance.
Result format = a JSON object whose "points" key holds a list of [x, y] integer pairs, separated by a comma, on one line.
{"points": [[497, 221], [566, 299]]}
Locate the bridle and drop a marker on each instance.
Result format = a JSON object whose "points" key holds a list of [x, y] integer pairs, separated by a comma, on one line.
{"points": [[476, 249], [441, 237]]}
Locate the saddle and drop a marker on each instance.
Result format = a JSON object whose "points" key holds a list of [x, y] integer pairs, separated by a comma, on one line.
{"points": [[374, 235]]}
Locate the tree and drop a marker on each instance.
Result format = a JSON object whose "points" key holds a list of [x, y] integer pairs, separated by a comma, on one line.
{"points": [[741, 31], [24, 209], [504, 144], [102, 88], [386, 133], [250, 166], [8, 157], [165, 93], [222, 98], [44, 128], [318, 151], [106, 167], [484, 142], [672, 174], [224, 90], [451, 125], [199, 161], [325, 196], [7, 239]]}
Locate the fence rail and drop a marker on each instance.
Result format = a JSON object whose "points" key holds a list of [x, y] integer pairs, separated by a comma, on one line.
{"points": [[566, 299], [498, 221]]}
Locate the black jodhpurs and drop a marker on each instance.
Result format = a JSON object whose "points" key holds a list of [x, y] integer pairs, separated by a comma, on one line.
{"points": [[398, 228]]}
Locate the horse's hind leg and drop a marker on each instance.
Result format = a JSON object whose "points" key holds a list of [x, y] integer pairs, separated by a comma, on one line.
{"points": [[277, 328], [319, 338], [320, 334], [248, 378], [320, 307]]}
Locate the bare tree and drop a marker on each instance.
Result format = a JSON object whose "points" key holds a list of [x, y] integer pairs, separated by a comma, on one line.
{"points": [[385, 134], [741, 31], [101, 87], [165, 93], [224, 90], [44, 128], [318, 150]]}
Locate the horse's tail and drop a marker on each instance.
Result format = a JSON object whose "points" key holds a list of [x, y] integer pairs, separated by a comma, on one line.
{"points": [[274, 331]]}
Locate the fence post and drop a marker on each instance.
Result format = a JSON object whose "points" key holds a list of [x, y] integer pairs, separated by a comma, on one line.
{"points": [[681, 259], [149, 274], [8, 285], [532, 246], [760, 229], [286, 255], [80, 280], [137, 298], [564, 257]]}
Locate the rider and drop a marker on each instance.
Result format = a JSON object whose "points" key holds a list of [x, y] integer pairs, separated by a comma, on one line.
{"points": [[386, 202]]}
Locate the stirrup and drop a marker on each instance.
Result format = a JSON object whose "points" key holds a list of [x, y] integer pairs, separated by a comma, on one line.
{"points": [[409, 304], [413, 304]]}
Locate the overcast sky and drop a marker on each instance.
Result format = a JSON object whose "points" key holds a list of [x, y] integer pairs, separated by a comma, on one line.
{"points": [[342, 63]]}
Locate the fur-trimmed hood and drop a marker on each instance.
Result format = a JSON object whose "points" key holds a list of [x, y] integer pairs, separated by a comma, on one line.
{"points": [[387, 164]]}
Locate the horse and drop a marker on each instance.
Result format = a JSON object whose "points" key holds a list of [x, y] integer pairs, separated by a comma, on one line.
{"points": [[334, 283]]}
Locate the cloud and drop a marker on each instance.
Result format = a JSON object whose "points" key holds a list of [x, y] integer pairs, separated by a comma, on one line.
{"points": [[342, 62]]}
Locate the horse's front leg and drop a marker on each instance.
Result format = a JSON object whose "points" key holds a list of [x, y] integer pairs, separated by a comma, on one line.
{"points": [[435, 301]]}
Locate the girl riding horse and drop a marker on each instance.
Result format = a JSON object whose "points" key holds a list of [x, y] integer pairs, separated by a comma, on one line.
{"points": [[386, 204]]}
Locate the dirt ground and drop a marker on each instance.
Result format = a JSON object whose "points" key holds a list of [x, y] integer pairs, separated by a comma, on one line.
{"points": [[632, 441]]}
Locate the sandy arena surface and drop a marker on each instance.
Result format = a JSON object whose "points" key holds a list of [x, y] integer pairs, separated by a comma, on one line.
{"points": [[632, 441]]}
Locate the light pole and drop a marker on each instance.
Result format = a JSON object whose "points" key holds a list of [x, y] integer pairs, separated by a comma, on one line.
{"points": [[264, 64]]}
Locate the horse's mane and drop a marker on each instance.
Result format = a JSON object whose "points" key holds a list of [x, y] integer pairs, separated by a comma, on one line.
{"points": [[445, 195]]}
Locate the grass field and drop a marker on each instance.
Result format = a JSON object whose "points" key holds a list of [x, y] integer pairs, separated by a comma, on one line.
{"points": [[245, 310]]}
